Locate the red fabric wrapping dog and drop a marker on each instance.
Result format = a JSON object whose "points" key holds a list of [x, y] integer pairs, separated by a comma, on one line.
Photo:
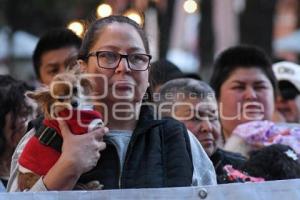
{"points": [[38, 157]]}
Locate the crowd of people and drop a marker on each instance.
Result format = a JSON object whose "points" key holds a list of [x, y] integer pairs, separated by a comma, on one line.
{"points": [[161, 127]]}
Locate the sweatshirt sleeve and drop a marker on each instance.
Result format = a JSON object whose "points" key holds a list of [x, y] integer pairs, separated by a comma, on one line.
{"points": [[12, 185]]}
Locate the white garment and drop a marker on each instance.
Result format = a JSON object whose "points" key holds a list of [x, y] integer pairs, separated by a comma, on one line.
{"points": [[204, 172], [2, 187]]}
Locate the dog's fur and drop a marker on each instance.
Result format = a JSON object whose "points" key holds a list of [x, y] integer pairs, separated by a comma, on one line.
{"points": [[59, 92], [238, 145], [51, 101], [273, 162]]}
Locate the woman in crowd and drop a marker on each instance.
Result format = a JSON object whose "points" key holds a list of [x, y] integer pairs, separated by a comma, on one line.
{"points": [[134, 150], [14, 114], [245, 87]]}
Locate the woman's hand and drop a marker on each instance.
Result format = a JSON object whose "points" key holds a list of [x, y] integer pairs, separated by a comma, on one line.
{"points": [[80, 153], [83, 151]]}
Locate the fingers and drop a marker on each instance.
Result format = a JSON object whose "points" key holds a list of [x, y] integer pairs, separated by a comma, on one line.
{"points": [[102, 146], [99, 133], [64, 129]]}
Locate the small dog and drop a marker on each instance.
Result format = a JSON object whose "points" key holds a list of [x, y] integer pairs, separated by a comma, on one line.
{"points": [[65, 99]]}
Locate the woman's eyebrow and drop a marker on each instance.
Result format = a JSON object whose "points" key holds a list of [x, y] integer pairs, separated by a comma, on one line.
{"points": [[260, 82], [238, 81]]}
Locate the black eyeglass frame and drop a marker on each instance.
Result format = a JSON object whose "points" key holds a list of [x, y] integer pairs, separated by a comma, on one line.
{"points": [[96, 53]]}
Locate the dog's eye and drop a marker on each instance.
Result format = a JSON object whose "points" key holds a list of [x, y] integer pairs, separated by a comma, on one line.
{"points": [[60, 99]]}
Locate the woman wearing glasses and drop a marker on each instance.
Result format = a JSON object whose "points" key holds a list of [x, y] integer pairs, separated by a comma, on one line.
{"points": [[134, 150]]}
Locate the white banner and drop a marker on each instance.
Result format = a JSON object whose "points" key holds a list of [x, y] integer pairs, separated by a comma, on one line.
{"points": [[273, 190]]}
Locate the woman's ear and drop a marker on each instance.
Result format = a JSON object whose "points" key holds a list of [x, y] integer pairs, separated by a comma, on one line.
{"points": [[83, 65]]}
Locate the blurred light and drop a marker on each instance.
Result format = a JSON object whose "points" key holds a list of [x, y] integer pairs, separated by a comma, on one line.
{"points": [[190, 6], [104, 10], [135, 16], [76, 27]]}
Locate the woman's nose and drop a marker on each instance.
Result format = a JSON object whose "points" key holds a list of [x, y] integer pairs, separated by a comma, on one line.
{"points": [[250, 93], [123, 66]]}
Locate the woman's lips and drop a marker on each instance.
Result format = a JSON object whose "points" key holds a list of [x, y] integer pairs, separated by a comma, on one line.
{"points": [[124, 86], [253, 107], [253, 111]]}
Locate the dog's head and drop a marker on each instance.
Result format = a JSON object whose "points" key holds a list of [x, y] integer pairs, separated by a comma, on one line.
{"points": [[67, 90]]}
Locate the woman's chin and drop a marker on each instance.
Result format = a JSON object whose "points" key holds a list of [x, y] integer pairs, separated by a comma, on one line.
{"points": [[254, 116]]}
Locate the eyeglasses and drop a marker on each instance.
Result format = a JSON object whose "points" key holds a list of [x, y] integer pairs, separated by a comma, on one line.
{"points": [[111, 60]]}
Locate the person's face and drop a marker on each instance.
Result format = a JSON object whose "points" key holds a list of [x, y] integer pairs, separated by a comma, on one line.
{"points": [[246, 95], [123, 84], [289, 108], [54, 62], [201, 118], [14, 134]]}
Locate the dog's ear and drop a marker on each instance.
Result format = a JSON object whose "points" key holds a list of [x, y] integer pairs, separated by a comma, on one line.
{"points": [[83, 65], [43, 99], [87, 85], [39, 95], [75, 69]]}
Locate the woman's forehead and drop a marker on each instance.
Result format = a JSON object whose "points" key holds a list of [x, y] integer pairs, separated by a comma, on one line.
{"points": [[247, 74], [119, 35]]}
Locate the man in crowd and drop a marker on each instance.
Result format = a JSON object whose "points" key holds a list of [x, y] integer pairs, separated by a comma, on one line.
{"points": [[288, 99], [55, 50]]}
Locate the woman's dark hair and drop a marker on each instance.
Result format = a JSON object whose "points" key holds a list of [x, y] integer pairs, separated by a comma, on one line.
{"points": [[52, 40], [275, 162], [94, 31], [12, 99], [242, 56]]}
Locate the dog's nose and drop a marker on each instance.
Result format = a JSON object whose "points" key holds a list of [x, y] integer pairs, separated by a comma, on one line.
{"points": [[74, 104]]}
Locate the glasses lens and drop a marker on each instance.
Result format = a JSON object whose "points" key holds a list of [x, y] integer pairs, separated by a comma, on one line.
{"points": [[108, 59], [138, 61]]}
